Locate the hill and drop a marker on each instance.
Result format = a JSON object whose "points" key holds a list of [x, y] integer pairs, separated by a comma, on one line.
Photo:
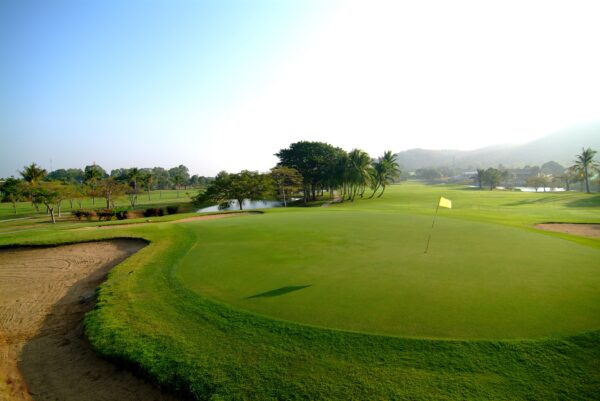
{"points": [[561, 146]]}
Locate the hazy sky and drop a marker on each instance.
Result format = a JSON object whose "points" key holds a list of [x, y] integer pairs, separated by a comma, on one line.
{"points": [[225, 84]]}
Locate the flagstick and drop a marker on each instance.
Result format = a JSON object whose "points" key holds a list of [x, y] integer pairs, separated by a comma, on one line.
{"points": [[431, 230]]}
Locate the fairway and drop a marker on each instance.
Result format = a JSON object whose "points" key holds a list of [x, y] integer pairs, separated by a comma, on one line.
{"points": [[359, 271]]}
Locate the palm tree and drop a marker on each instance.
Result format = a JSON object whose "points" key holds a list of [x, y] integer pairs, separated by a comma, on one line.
{"points": [[583, 163], [377, 176], [391, 169], [359, 171], [134, 174], [33, 173]]}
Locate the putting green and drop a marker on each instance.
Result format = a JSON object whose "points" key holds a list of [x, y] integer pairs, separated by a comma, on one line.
{"points": [[366, 271]]}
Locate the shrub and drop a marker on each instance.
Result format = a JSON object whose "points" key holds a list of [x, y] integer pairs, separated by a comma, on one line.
{"points": [[172, 209], [154, 211], [122, 214], [106, 214], [79, 214]]}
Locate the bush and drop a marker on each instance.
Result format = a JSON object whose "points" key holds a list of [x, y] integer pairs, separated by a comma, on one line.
{"points": [[153, 212], [106, 214], [122, 214], [88, 214], [172, 209], [79, 214]]}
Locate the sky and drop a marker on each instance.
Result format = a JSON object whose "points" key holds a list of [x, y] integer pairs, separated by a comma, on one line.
{"points": [[225, 84]]}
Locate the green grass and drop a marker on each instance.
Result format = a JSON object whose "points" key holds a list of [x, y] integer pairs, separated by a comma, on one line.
{"points": [[196, 312], [367, 272]]}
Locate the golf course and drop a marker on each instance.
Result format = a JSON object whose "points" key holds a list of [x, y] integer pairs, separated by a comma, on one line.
{"points": [[343, 303]]}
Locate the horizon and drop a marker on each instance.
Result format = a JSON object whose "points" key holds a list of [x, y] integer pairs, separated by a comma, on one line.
{"points": [[206, 84]]}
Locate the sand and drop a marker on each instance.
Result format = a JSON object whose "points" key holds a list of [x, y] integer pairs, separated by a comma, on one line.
{"points": [[44, 294], [584, 230]]}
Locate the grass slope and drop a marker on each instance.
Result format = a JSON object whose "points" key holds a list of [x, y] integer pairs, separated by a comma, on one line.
{"points": [[150, 318]]}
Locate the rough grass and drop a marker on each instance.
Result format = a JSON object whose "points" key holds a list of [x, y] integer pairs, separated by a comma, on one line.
{"points": [[149, 317]]}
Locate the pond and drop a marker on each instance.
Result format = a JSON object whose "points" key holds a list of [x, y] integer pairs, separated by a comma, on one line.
{"points": [[247, 205], [547, 189]]}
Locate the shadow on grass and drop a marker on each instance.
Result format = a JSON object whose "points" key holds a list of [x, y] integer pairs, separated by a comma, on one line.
{"points": [[279, 291], [586, 202], [547, 199]]}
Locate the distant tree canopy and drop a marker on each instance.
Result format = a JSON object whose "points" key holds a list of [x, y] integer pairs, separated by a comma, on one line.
{"points": [[552, 168], [71, 175], [324, 166], [315, 161], [492, 177]]}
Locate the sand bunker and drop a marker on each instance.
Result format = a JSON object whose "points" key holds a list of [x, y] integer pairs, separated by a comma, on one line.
{"points": [[44, 293], [584, 230]]}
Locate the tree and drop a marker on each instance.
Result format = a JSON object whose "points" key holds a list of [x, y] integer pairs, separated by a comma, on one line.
{"points": [[428, 173], [46, 195], [147, 179], [13, 191], [74, 192], [537, 182], [492, 177], [584, 162], [179, 176], [161, 178], [287, 181], [359, 172], [110, 188], [480, 177], [93, 175], [243, 185], [385, 171], [314, 161], [70, 175], [33, 173], [569, 177], [134, 175]]}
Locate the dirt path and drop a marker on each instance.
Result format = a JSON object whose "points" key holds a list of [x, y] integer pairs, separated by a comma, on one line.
{"points": [[584, 230], [44, 294]]}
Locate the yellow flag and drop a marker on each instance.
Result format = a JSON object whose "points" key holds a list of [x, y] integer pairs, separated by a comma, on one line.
{"points": [[445, 202]]}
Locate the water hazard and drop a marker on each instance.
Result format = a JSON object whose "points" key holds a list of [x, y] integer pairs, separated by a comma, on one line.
{"points": [[246, 205]]}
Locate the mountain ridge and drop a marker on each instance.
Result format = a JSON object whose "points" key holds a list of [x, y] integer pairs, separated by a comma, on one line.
{"points": [[561, 146]]}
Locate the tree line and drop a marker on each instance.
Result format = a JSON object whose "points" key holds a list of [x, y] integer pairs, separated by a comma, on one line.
{"points": [[584, 170], [73, 185], [309, 169]]}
